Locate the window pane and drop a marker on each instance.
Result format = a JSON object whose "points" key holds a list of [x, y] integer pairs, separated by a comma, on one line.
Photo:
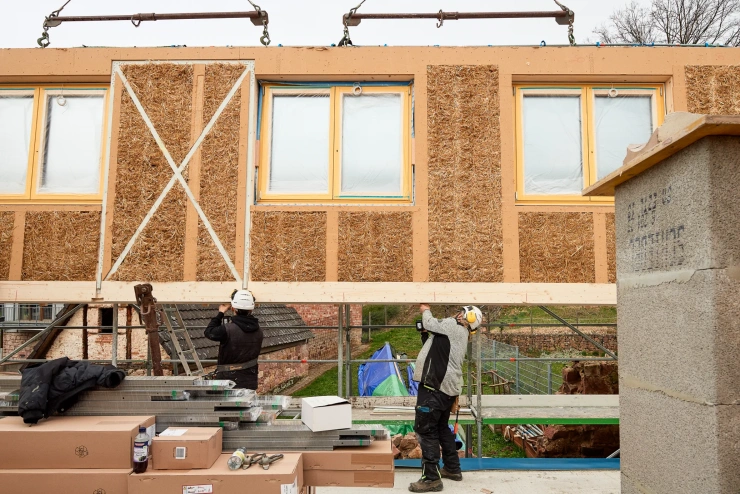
{"points": [[16, 118], [72, 145], [372, 144], [619, 122], [299, 151], [553, 161]]}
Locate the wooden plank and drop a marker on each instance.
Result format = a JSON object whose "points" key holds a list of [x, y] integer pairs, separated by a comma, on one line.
{"points": [[16, 249], [242, 170], [322, 292], [332, 245], [509, 208], [544, 401], [705, 126], [190, 255], [600, 256], [112, 169]]}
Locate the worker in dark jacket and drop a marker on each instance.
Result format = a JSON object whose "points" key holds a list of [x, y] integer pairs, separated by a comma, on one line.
{"points": [[439, 374], [240, 341]]}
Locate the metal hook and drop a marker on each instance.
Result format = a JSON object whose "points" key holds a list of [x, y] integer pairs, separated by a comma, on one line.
{"points": [[265, 38], [613, 92], [356, 89], [134, 21], [441, 19], [44, 41]]}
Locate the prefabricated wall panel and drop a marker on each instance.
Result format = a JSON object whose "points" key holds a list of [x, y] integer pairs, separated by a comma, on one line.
{"points": [[556, 247], [464, 146], [375, 246], [713, 89], [219, 171], [142, 172], [288, 246], [61, 245], [611, 248], [7, 222], [465, 220]]}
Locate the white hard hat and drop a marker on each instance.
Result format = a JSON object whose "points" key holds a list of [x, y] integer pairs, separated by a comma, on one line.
{"points": [[473, 316], [243, 300]]}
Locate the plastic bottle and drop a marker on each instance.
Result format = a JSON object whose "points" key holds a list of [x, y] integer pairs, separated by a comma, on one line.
{"points": [[141, 451]]}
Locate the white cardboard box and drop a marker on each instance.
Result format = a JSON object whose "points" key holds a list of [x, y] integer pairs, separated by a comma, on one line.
{"points": [[326, 413]]}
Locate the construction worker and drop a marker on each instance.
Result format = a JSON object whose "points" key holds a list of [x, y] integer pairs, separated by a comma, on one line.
{"points": [[240, 341], [439, 374]]}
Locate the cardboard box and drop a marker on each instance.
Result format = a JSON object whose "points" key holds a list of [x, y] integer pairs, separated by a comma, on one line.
{"points": [[284, 477], [326, 413], [71, 442], [378, 456], [347, 478], [186, 448], [75, 481]]}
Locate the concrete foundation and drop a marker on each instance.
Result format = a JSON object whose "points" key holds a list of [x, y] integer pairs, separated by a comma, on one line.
{"points": [[678, 278]]}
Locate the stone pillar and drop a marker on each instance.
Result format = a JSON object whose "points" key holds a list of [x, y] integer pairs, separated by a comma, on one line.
{"points": [[678, 306]]}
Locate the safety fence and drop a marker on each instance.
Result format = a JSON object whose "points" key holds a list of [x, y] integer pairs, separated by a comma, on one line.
{"points": [[525, 375]]}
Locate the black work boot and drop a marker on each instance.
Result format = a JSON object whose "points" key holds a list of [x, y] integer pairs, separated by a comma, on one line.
{"points": [[445, 474], [422, 485]]}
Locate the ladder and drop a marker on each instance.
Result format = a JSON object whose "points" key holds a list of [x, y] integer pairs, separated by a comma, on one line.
{"points": [[186, 355]]}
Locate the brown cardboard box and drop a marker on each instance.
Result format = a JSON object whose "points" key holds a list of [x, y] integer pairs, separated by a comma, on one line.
{"points": [[65, 481], [284, 477], [70, 442], [181, 448], [377, 456], [347, 478]]}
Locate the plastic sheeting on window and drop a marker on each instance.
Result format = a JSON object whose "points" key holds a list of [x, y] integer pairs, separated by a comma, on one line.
{"points": [[618, 122], [553, 151], [299, 148], [16, 119], [72, 144], [372, 144]]}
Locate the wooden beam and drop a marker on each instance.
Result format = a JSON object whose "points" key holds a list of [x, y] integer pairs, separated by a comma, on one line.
{"points": [[321, 292], [600, 250], [190, 255], [16, 249]]}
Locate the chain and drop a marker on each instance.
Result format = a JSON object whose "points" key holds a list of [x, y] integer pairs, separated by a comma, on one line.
{"points": [[44, 40], [265, 38], [571, 16], [346, 41]]}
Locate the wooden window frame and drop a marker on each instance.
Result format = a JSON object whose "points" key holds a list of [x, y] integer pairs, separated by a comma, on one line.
{"points": [[335, 133], [35, 153], [588, 133]]}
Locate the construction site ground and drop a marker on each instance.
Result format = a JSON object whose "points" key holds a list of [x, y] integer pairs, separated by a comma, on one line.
{"points": [[506, 482]]}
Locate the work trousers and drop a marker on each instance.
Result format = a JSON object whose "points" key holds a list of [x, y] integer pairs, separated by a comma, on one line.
{"points": [[432, 429], [246, 378]]}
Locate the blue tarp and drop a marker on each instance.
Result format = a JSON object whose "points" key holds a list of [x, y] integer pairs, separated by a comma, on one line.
{"points": [[381, 378], [413, 385]]}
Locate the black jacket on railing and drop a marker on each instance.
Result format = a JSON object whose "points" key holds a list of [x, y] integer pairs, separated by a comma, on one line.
{"points": [[55, 386]]}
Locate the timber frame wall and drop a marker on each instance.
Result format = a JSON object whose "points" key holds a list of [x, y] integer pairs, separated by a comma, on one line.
{"points": [[524, 253]]}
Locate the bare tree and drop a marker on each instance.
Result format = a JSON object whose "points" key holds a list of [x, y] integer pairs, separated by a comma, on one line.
{"points": [[674, 21]]}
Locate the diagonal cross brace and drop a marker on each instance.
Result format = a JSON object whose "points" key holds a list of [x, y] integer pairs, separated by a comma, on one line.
{"points": [[581, 333], [177, 174]]}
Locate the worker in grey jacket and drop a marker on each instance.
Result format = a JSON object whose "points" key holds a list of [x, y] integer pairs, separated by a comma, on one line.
{"points": [[439, 374]]}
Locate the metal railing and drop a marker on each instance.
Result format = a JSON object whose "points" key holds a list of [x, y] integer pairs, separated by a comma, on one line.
{"points": [[526, 375]]}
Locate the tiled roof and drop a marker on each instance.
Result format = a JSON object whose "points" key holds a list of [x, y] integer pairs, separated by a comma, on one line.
{"points": [[282, 326]]}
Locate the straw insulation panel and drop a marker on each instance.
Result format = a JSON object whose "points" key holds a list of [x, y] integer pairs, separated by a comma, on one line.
{"points": [[61, 245], [713, 89], [219, 170], [611, 248], [165, 92], [288, 246], [375, 246], [465, 238], [556, 248], [6, 242]]}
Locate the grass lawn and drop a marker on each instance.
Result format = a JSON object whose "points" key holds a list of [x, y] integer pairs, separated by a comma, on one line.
{"points": [[494, 445]]}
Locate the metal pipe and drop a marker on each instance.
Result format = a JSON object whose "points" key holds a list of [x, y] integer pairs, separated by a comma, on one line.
{"points": [[478, 419], [339, 350], [453, 16], [37, 336], [254, 15], [582, 334], [114, 331], [348, 365]]}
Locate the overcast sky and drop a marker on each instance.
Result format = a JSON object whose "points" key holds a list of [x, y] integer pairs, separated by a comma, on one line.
{"points": [[296, 23]]}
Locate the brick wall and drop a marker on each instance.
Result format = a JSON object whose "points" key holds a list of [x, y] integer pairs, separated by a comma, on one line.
{"points": [[274, 376], [549, 342], [326, 315], [13, 340]]}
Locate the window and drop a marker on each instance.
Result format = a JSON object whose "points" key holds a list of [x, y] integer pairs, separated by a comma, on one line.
{"points": [[335, 144], [569, 137], [106, 320], [51, 144]]}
